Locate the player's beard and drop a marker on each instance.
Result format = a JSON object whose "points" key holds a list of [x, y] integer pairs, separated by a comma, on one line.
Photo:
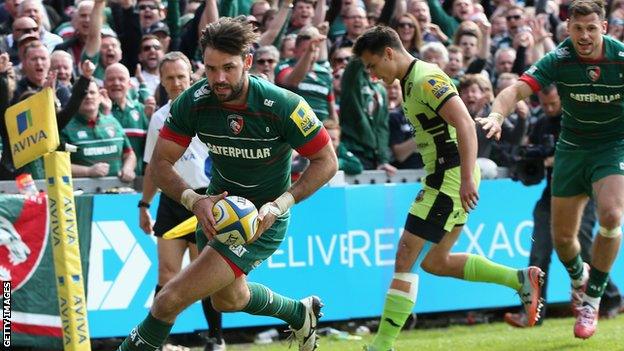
{"points": [[235, 90]]}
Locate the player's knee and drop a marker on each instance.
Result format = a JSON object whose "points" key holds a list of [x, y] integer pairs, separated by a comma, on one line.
{"points": [[228, 304], [167, 303], [434, 265], [610, 218], [563, 240]]}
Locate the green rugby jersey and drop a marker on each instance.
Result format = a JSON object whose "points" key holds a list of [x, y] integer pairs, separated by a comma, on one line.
{"points": [[135, 124], [101, 141], [591, 92], [250, 145], [316, 87], [425, 90]]}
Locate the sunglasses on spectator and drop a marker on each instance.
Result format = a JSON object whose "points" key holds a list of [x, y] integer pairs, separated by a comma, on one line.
{"points": [[514, 17], [263, 61], [406, 25], [150, 47], [147, 7], [27, 30], [341, 59]]}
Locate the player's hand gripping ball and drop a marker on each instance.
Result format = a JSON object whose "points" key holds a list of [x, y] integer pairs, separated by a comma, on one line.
{"points": [[236, 220]]}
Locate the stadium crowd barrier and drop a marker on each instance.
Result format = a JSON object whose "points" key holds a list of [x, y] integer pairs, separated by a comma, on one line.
{"points": [[340, 245]]}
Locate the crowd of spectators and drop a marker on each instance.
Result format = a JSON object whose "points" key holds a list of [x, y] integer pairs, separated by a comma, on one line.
{"points": [[102, 59]]}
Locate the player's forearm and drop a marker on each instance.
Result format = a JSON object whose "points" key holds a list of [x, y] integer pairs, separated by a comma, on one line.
{"points": [[506, 101], [168, 179], [149, 189], [321, 169], [467, 144]]}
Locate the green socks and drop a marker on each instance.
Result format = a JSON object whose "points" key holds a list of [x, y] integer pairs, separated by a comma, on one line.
{"points": [[574, 267], [597, 283], [147, 336], [396, 310], [265, 302], [480, 269]]}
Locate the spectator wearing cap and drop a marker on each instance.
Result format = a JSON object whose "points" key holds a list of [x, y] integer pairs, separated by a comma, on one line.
{"points": [[35, 69], [129, 112], [307, 77], [80, 21], [103, 48], [161, 31], [149, 57], [35, 10], [265, 61], [21, 26]]}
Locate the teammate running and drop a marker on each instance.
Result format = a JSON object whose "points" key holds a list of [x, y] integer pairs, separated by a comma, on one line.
{"points": [[447, 142], [589, 157], [250, 127]]}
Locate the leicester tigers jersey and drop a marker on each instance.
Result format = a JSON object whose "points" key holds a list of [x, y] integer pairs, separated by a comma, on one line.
{"points": [[591, 92], [250, 145], [425, 90]]}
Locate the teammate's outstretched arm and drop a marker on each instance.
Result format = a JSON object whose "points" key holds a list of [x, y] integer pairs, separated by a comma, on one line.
{"points": [[503, 105], [455, 113]]}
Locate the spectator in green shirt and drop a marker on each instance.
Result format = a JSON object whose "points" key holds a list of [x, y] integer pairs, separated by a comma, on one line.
{"points": [[347, 161]]}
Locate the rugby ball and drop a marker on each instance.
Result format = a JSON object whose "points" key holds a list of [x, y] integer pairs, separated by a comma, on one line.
{"points": [[236, 220]]}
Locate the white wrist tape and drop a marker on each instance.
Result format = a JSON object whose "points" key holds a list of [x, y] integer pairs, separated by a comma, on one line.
{"points": [[497, 117], [189, 198], [284, 202]]}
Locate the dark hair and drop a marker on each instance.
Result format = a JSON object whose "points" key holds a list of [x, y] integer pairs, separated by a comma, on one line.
{"points": [[234, 36], [375, 40], [548, 89], [587, 7]]}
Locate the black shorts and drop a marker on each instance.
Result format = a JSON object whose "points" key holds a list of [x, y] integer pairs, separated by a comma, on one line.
{"points": [[171, 213]]}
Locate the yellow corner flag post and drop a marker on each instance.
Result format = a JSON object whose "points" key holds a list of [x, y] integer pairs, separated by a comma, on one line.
{"points": [[33, 132]]}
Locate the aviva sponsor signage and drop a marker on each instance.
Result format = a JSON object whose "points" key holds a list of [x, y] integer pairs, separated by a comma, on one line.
{"points": [[32, 129]]}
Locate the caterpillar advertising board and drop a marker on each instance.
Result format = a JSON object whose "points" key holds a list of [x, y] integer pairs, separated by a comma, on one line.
{"points": [[33, 132]]}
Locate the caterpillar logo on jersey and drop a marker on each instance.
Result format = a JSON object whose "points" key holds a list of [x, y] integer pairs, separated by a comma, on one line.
{"points": [[593, 72], [305, 119], [236, 123], [437, 86]]}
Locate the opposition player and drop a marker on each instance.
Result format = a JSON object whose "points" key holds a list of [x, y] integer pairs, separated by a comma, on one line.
{"points": [[589, 157], [447, 142], [251, 127], [175, 75]]}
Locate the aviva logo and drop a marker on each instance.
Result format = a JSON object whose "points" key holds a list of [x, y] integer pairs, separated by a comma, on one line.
{"points": [[24, 121]]}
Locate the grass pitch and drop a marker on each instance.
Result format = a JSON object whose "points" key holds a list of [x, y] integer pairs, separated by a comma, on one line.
{"points": [[553, 335]]}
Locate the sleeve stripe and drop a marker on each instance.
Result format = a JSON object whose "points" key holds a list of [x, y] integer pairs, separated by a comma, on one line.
{"points": [[282, 74], [532, 82], [127, 150], [180, 139], [313, 146], [447, 98]]}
